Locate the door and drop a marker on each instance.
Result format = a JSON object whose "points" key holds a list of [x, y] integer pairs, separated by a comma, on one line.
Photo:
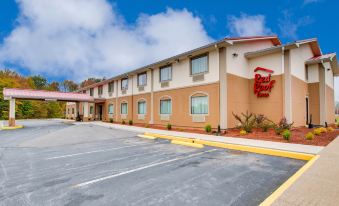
{"points": [[100, 112]]}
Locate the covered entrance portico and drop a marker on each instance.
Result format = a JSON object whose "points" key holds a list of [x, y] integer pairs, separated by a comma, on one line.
{"points": [[30, 94]]}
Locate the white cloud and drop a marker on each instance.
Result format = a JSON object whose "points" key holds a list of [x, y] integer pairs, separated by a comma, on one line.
{"points": [[246, 25], [82, 38], [289, 26]]}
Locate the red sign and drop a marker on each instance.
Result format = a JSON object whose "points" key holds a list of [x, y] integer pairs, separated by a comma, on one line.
{"points": [[263, 84]]}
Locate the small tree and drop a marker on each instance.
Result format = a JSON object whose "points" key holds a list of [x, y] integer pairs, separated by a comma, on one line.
{"points": [[247, 121]]}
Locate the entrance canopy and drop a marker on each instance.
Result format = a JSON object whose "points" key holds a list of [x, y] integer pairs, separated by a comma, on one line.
{"points": [[31, 94]]}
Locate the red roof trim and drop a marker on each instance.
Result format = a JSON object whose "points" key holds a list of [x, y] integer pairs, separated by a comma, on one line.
{"points": [[263, 69]]}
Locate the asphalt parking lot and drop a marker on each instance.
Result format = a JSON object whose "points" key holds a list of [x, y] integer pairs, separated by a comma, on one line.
{"points": [[52, 163]]}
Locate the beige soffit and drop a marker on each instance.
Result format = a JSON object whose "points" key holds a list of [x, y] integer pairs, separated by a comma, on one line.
{"points": [[331, 57], [313, 43], [221, 43]]}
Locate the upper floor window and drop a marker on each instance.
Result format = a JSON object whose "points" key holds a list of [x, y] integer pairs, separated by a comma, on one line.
{"points": [[166, 106], [100, 90], [110, 87], [165, 73], [199, 105], [124, 84], [199, 64], [142, 79], [91, 91]]}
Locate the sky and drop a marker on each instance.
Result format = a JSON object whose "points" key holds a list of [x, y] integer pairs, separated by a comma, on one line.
{"points": [[77, 39]]}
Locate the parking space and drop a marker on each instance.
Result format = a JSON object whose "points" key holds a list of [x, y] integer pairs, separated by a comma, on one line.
{"points": [[53, 163]]}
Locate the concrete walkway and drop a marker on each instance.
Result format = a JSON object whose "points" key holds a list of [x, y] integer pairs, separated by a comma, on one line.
{"points": [[240, 141], [319, 185]]}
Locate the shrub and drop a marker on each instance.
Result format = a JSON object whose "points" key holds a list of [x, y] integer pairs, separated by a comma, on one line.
{"points": [[330, 129], [147, 125], [111, 120], [265, 127], [169, 126], [286, 135], [243, 132], [317, 131], [247, 121], [309, 136], [208, 128], [323, 129], [282, 126], [123, 122], [130, 122]]}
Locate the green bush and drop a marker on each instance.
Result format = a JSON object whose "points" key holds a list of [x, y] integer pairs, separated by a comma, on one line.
{"points": [[130, 122], [111, 120], [169, 126], [286, 135], [123, 122], [208, 128], [147, 125], [309, 136], [265, 127], [282, 126]]}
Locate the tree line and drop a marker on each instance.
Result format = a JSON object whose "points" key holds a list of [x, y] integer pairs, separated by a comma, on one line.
{"points": [[30, 109]]}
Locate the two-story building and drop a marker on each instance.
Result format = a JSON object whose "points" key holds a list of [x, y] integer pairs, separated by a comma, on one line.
{"points": [[206, 85]]}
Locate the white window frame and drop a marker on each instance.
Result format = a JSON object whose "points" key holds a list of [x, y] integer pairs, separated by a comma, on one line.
{"points": [[140, 101], [138, 82], [164, 67], [124, 88], [195, 95], [197, 57], [112, 110], [165, 98], [109, 87], [124, 102]]}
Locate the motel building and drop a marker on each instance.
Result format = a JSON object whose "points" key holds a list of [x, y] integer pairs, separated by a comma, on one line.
{"points": [[206, 85]]}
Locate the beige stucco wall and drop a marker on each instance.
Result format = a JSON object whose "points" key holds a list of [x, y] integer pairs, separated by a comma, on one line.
{"points": [[330, 114], [299, 94], [298, 56], [147, 98], [181, 106], [314, 102]]}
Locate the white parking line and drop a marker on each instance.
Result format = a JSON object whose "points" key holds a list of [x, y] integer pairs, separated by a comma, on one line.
{"points": [[95, 151], [140, 168]]}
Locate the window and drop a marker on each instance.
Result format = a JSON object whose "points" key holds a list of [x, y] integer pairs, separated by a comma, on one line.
{"points": [[68, 112], [142, 107], [110, 87], [123, 108], [100, 90], [124, 84], [199, 64], [72, 110], [91, 108], [110, 109], [166, 106], [166, 73], [199, 105], [142, 79], [91, 92]]}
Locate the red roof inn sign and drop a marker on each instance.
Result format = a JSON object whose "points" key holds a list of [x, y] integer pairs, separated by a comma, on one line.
{"points": [[263, 84]]}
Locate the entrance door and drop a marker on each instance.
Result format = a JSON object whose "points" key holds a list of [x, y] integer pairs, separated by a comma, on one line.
{"points": [[100, 112]]}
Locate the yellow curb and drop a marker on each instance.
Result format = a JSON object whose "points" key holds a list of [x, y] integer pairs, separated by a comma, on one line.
{"points": [[258, 150], [170, 137], [12, 128], [146, 136], [187, 144], [274, 196]]}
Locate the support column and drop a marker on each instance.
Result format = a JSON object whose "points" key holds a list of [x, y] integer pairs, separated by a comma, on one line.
{"points": [[152, 99], [85, 112], [222, 88], [11, 120]]}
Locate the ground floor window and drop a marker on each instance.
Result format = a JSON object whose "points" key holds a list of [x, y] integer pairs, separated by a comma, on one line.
{"points": [[166, 106], [142, 107], [72, 110], [110, 109], [91, 109], [123, 108], [199, 105]]}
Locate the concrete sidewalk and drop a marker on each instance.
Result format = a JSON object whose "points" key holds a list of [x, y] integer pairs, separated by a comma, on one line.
{"points": [[231, 140], [319, 185]]}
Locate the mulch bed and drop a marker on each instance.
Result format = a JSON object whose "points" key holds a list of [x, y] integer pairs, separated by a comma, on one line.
{"points": [[297, 134]]}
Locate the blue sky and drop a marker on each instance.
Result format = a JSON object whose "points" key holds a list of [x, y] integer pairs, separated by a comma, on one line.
{"points": [[76, 39]]}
